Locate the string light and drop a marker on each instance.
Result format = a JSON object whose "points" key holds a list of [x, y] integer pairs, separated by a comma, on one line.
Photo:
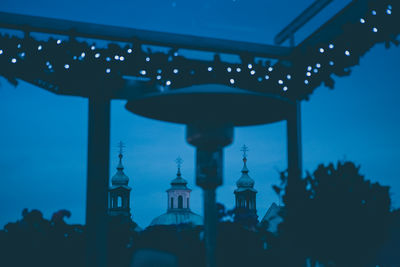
{"points": [[321, 50], [93, 47], [14, 60], [58, 41], [306, 81], [331, 63], [158, 77], [83, 55], [238, 69], [121, 58], [252, 72], [129, 51], [308, 74], [1, 51], [39, 47], [373, 12], [232, 81], [388, 11], [331, 46], [108, 70], [347, 53], [362, 21], [209, 68], [309, 68], [318, 65], [66, 66], [97, 55], [116, 57], [270, 69], [285, 88], [266, 77], [176, 71], [374, 29], [280, 82], [229, 69], [315, 70], [108, 59], [168, 83], [250, 66], [147, 59], [289, 76], [143, 72]]}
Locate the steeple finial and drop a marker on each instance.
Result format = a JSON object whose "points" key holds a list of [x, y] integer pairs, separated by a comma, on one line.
{"points": [[244, 150], [179, 162], [121, 150]]}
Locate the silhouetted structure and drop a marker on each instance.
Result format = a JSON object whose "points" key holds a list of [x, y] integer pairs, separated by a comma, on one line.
{"points": [[178, 203], [245, 193], [119, 192]]}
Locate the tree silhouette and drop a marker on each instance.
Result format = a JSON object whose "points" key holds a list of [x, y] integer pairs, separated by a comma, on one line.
{"points": [[333, 216]]}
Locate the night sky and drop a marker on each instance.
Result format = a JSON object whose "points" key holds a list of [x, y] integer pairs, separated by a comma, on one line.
{"points": [[43, 136]]}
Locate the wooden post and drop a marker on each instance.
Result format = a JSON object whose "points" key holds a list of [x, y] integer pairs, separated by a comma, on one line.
{"points": [[294, 152]]}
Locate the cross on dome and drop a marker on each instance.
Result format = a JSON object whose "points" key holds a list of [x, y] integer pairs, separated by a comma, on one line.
{"points": [[179, 162], [244, 150]]}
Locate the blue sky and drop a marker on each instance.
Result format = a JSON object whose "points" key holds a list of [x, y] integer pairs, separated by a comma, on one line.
{"points": [[43, 137]]}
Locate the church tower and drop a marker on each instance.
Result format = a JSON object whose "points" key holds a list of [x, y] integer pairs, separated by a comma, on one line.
{"points": [[245, 193], [178, 204], [179, 193], [119, 192]]}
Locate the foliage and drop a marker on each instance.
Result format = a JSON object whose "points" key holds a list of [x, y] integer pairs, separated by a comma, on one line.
{"points": [[334, 216]]}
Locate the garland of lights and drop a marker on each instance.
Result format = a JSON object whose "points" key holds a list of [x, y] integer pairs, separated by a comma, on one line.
{"points": [[71, 66]]}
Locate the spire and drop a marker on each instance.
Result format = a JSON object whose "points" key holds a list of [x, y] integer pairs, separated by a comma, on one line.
{"points": [[245, 180], [244, 150], [121, 146], [120, 178], [179, 181], [179, 162]]}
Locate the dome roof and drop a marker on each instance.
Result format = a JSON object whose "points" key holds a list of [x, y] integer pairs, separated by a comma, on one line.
{"points": [[245, 181], [120, 178], [176, 217], [178, 182]]}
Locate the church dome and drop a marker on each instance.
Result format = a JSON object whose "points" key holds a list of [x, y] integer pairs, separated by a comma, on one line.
{"points": [[177, 217], [245, 182], [120, 178]]}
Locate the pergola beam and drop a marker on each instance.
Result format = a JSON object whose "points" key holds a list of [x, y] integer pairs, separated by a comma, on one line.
{"points": [[29, 23]]}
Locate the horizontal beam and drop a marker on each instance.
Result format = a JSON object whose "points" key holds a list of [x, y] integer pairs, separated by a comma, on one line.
{"points": [[29, 23], [300, 20]]}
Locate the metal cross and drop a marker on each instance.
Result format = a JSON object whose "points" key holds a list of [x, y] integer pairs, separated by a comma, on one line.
{"points": [[179, 162], [121, 147], [244, 150]]}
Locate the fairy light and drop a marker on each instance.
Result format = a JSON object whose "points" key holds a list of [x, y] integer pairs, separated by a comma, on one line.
{"points": [[308, 74], [147, 59], [158, 77], [176, 71], [280, 82], [238, 69], [58, 41], [288, 76], [306, 81], [168, 83], [143, 72], [92, 47], [40, 47], [285, 88], [362, 21], [266, 77], [129, 51], [232, 81], [270, 69], [321, 50], [252, 72], [116, 57], [108, 70], [121, 58], [97, 55], [347, 53], [250, 66], [209, 68], [14, 60], [229, 69], [66, 66]]}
